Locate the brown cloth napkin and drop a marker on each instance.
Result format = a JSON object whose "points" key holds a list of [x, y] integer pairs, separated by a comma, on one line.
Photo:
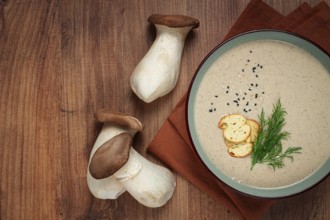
{"points": [[172, 144]]}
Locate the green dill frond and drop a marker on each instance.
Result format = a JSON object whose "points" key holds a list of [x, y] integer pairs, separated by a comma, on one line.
{"points": [[268, 147]]}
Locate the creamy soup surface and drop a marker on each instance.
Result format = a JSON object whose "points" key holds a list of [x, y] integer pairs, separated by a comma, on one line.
{"points": [[253, 76]]}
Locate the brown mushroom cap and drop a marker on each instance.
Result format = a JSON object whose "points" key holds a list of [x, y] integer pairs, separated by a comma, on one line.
{"points": [[111, 156], [174, 21], [105, 115]]}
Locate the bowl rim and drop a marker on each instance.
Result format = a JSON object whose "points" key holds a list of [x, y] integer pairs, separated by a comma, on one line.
{"points": [[258, 192]]}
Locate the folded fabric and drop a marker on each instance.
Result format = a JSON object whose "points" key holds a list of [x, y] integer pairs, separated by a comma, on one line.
{"points": [[172, 144], [293, 17]]}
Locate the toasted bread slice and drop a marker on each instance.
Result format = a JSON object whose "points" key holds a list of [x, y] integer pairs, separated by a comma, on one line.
{"points": [[237, 134], [232, 120], [229, 143], [255, 127], [240, 150]]}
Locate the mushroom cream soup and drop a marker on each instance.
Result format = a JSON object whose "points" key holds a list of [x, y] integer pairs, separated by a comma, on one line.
{"points": [[252, 76]]}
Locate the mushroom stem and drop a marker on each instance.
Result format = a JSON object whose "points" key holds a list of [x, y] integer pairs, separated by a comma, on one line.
{"points": [[115, 167], [110, 187], [157, 73], [148, 183]]}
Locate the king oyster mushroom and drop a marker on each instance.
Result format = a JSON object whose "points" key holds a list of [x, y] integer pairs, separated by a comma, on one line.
{"points": [[157, 73], [115, 167]]}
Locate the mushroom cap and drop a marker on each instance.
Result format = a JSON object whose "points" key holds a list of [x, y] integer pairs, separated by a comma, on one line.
{"points": [[111, 156], [174, 21], [124, 120]]}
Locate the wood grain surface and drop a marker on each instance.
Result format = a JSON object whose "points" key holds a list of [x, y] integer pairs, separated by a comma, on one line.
{"points": [[62, 60]]}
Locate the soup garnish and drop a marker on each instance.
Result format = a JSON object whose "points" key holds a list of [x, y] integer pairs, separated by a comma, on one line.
{"points": [[268, 145]]}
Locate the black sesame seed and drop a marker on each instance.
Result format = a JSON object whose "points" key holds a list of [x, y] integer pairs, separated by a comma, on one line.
{"points": [[242, 70], [257, 85], [256, 95], [210, 110], [247, 103], [244, 93], [255, 104], [227, 103], [236, 94], [237, 104], [243, 98], [235, 101], [251, 84], [250, 89], [216, 96], [227, 91], [261, 67], [263, 92], [214, 109], [248, 60], [227, 87], [238, 99], [249, 110], [250, 51], [211, 103], [257, 76]]}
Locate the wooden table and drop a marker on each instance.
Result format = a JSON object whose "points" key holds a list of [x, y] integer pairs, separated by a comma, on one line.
{"points": [[61, 61]]}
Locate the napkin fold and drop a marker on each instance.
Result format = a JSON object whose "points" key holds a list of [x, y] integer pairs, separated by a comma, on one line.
{"points": [[172, 144]]}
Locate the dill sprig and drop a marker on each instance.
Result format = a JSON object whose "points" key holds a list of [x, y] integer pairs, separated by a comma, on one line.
{"points": [[268, 145]]}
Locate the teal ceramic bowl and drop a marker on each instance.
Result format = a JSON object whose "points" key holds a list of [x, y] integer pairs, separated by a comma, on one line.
{"points": [[312, 178]]}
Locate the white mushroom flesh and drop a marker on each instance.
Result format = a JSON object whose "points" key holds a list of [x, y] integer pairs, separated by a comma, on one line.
{"points": [[157, 73], [152, 185], [110, 187]]}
